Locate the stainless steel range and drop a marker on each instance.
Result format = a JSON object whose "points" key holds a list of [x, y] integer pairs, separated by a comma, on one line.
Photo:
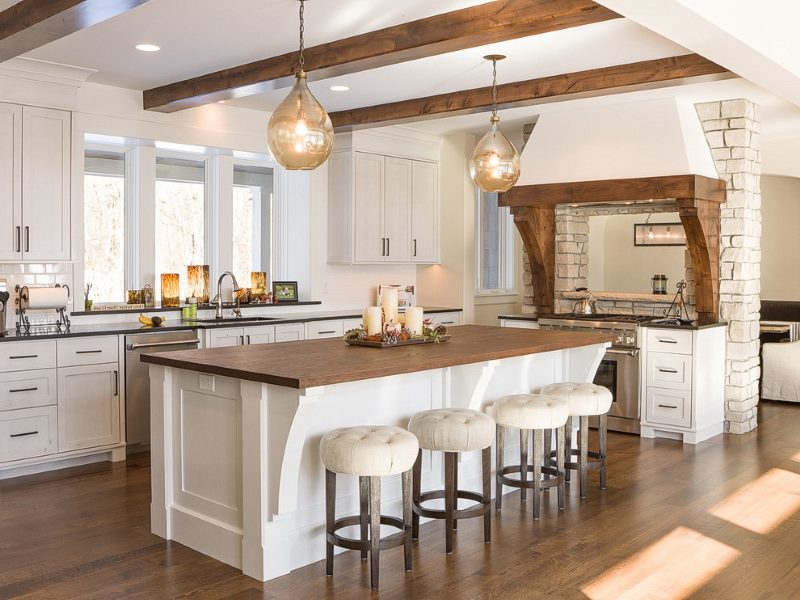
{"points": [[619, 369]]}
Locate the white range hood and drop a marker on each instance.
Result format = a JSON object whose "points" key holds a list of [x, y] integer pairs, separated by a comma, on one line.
{"points": [[617, 141]]}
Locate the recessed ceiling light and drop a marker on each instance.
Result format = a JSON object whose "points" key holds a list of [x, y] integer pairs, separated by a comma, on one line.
{"points": [[148, 48], [340, 88]]}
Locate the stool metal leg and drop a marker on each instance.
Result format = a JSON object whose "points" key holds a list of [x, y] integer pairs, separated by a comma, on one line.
{"points": [[548, 443], [568, 450], [374, 530], [500, 448], [450, 497], [363, 492], [417, 492], [486, 463], [407, 512], [330, 517], [603, 431], [523, 461], [538, 456], [560, 435], [583, 440]]}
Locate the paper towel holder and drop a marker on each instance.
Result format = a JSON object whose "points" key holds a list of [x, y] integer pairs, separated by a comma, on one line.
{"points": [[23, 295]]}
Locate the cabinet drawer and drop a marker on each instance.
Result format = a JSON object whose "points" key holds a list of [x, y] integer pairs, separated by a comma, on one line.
{"points": [[445, 318], [290, 332], [669, 407], [317, 330], [28, 432], [672, 371], [87, 351], [26, 356], [669, 340], [27, 389]]}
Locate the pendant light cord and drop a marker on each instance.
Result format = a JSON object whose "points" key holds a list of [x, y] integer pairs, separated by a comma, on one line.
{"points": [[302, 32], [494, 87]]}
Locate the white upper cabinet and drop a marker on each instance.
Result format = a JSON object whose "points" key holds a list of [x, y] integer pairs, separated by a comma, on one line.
{"points": [[46, 146], [383, 200], [10, 182], [34, 183], [425, 213]]}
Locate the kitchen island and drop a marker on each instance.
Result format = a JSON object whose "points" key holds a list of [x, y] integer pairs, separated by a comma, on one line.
{"points": [[235, 432]]}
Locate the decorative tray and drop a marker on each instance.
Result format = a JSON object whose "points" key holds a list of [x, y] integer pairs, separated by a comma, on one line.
{"points": [[408, 342]]}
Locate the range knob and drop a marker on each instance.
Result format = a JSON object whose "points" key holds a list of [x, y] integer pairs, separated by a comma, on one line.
{"points": [[620, 339]]}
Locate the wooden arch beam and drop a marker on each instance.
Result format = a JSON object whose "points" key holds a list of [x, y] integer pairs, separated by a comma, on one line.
{"points": [[698, 200]]}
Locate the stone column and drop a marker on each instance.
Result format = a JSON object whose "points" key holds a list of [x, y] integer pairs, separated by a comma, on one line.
{"points": [[732, 131]]}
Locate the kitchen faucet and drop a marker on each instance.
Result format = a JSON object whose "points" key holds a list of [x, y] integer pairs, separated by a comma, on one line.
{"points": [[218, 298]]}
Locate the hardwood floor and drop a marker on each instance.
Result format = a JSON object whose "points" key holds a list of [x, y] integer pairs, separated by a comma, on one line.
{"points": [[717, 521]]}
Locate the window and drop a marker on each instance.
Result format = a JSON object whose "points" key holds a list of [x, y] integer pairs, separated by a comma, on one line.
{"points": [[494, 245], [180, 217], [104, 224], [252, 220]]}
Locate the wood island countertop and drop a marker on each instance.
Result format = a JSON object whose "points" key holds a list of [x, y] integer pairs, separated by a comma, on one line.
{"points": [[313, 363]]}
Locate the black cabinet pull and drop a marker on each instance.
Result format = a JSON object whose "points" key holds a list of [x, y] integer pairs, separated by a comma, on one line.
{"points": [[666, 406], [324, 332], [33, 389], [27, 239], [88, 351], [27, 433], [19, 239], [116, 383], [23, 356], [388, 246], [663, 370], [667, 340], [415, 246]]}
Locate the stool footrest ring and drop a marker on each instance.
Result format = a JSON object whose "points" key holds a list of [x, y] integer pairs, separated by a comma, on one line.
{"points": [[557, 477], [478, 510], [391, 541]]}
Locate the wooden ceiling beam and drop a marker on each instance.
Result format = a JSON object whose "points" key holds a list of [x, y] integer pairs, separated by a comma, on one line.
{"points": [[675, 70], [30, 24], [449, 32]]}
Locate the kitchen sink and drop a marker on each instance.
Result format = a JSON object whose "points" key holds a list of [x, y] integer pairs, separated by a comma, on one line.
{"points": [[238, 320]]}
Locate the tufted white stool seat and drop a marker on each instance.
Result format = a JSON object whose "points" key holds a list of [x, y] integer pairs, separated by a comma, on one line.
{"points": [[369, 451], [452, 429], [532, 411], [584, 398]]}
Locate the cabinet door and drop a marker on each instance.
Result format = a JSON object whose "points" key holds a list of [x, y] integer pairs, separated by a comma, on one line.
{"points": [[45, 184], [225, 338], [88, 406], [369, 236], [10, 182], [425, 213], [264, 334], [291, 332], [397, 209]]}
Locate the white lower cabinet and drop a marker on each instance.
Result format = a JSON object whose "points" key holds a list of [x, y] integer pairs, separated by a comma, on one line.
{"points": [[290, 332], [225, 338], [683, 383], [445, 318], [28, 433], [88, 406], [263, 334], [318, 330]]}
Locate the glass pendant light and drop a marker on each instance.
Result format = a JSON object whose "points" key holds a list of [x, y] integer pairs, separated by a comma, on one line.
{"points": [[300, 132], [494, 164]]}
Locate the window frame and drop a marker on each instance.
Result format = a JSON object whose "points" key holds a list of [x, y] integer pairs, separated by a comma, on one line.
{"points": [[506, 259]]}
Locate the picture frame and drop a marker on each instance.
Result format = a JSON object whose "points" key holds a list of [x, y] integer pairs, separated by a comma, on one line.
{"points": [[406, 296], [284, 291]]}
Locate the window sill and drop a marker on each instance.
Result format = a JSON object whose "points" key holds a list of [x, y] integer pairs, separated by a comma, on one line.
{"points": [[482, 298]]}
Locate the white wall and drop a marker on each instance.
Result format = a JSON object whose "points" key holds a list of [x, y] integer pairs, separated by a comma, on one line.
{"points": [[616, 265], [780, 250]]}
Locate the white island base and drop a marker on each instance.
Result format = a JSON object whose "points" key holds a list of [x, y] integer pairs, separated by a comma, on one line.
{"points": [[236, 472]]}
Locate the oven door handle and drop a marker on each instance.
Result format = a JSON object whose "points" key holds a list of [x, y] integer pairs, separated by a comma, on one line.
{"points": [[624, 352]]}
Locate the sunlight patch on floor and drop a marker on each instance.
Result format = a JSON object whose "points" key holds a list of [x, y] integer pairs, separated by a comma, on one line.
{"points": [[672, 568], [763, 504]]}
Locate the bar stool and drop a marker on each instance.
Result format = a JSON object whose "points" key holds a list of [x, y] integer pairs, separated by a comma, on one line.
{"points": [[369, 453], [585, 400], [452, 431], [537, 413]]}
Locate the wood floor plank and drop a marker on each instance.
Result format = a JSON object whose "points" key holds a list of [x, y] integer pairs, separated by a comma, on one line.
{"points": [[84, 533]]}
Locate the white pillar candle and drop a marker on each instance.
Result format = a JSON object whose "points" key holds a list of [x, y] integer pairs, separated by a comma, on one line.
{"points": [[372, 320], [389, 302], [414, 318]]}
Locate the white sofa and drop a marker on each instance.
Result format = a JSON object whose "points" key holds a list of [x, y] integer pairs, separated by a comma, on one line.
{"points": [[781, 376]]}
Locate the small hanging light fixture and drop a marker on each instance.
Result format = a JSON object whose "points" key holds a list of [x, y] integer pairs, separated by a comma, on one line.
{"points": [[300, 132], [494, 164]]}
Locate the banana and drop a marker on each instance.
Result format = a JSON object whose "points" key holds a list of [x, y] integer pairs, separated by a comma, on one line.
{"points": [[145, 320]]}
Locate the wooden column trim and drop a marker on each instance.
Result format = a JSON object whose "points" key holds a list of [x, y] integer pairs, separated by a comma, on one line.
{"points": [[701, 221], [537, 226]]}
